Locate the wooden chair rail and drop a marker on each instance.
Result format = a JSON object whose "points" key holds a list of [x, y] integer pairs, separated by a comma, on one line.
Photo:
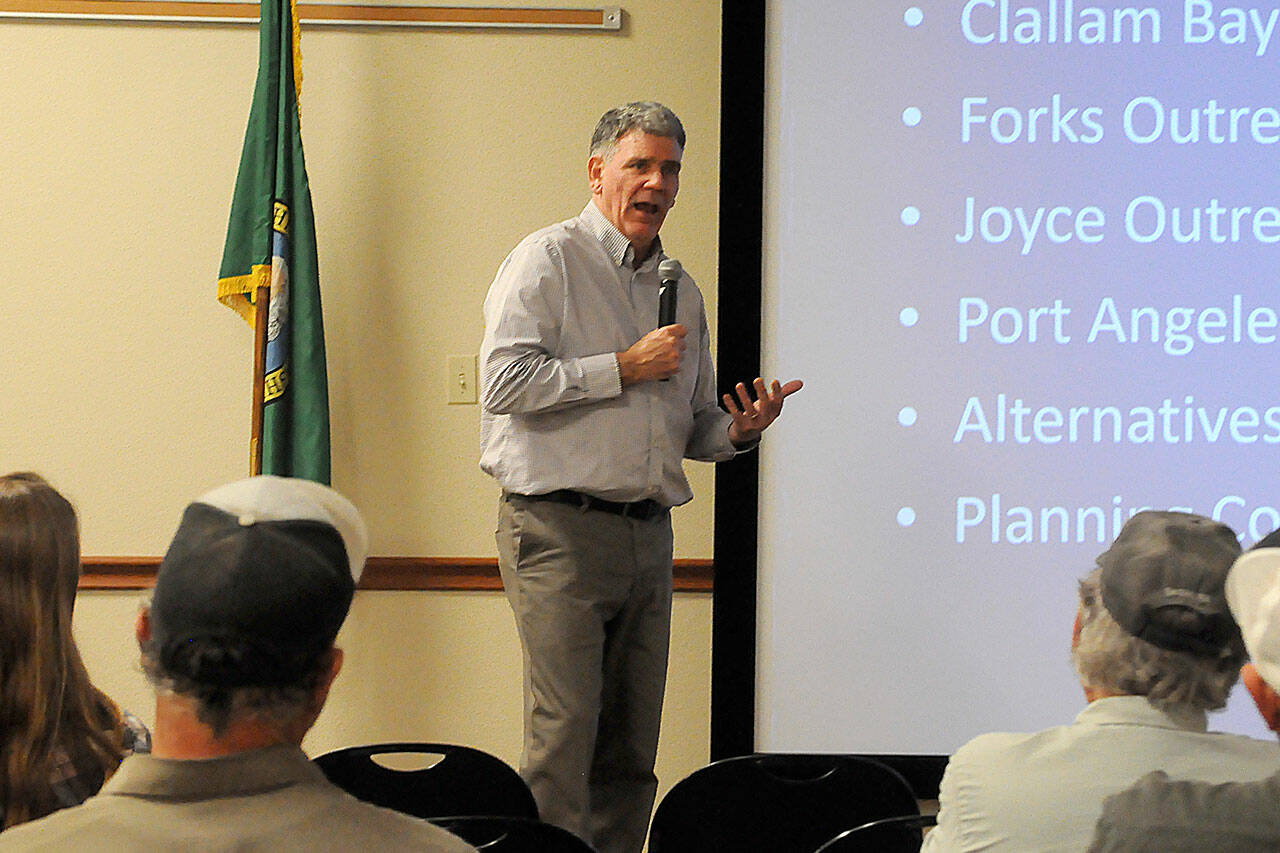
{"points": [[381, 573], [201, 11]]}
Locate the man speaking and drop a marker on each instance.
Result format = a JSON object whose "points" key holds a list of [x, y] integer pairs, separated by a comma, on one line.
{"points": [[589, 405]]}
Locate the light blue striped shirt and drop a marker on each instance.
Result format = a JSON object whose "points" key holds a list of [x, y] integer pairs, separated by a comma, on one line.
{"points": [[554, 412]]}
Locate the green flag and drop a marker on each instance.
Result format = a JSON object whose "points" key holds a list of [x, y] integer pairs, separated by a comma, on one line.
{"points": [[271, 238]]}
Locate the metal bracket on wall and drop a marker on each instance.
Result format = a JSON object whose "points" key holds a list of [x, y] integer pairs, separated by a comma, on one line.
{"points": [[333, 14]]}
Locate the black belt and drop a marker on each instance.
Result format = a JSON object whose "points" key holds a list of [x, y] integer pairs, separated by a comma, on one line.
{"points": [[642, 510]]}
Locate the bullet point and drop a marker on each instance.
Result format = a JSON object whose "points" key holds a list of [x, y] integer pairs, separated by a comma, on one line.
{"points": [[908, 317], [911, 116], [913, 16], [907, 416], [906, 517], [910, 215]]}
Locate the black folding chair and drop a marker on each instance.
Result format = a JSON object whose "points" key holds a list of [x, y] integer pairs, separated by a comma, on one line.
{"points": [[454, 780], [783, 803]]}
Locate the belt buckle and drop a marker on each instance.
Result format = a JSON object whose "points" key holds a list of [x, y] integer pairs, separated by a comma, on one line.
{"points": [[579, 500], [641, 510]]}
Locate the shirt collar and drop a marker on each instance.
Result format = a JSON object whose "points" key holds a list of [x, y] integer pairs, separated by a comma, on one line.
{"points": [[1136, 710], [252, 772], [614, 241]]}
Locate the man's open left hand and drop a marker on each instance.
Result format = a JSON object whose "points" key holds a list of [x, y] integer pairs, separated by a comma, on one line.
{"points": [[752, 417]]}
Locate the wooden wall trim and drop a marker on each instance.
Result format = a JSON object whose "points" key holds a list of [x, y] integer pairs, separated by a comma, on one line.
{"points": [[201, 11], [381, 573]]}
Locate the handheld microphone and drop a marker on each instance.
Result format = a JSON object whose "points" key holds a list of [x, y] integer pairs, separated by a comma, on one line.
{"points": [[669, 271]]}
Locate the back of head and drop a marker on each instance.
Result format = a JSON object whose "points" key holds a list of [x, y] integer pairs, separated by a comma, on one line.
{"points": [[39, 563], [251, 594], [646, 116], [1154, 615], [47, 702]]}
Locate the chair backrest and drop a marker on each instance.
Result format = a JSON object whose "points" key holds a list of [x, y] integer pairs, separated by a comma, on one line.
{"points": [[463, 781], [780, 802], [888, 835], [513, 835]]}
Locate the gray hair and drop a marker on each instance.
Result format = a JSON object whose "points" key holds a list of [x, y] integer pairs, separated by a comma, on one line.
{"points": [[218, 706], [1110, 658], [648, 116]]}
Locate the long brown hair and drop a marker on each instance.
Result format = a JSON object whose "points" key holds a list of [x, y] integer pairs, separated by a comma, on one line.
{"points": [[48, 707]]}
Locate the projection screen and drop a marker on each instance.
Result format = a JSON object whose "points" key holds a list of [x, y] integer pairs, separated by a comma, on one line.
{"points": [[1024, 255]]}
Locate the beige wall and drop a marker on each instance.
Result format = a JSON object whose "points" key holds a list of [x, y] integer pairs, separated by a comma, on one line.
{"points": [[430, 154], [428, 667]]}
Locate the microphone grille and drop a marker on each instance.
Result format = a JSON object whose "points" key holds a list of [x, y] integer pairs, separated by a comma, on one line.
{"points": [[670, 270]]}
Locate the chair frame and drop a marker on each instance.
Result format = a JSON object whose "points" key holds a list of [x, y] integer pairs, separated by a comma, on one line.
{"points": [[841, 841], [475, 783], [726, 794], [506, 834]]}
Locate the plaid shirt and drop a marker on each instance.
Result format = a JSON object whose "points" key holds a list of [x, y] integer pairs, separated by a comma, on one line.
{"points": [[73, 785]]}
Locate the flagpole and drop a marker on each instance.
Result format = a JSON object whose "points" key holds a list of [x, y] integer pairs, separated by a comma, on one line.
{"points": [[261, 307], [270, 251]]}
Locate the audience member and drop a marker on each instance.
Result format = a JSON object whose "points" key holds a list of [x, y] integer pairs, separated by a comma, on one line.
{"points": [[60, 737], [1158, 814], [1155, 648], [238, 642]]}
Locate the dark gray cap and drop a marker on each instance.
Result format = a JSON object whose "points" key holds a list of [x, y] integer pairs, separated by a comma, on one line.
{"points": [[1163, 581], [257, 582]]}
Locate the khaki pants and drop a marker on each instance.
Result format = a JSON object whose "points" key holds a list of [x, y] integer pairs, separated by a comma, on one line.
{"points": [[591, 593]]}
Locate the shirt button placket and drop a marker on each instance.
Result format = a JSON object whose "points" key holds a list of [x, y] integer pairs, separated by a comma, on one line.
{"points": [[652, 397]]}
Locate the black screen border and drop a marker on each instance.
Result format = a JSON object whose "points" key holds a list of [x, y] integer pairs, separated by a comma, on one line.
{"points": [[739, 313]]}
